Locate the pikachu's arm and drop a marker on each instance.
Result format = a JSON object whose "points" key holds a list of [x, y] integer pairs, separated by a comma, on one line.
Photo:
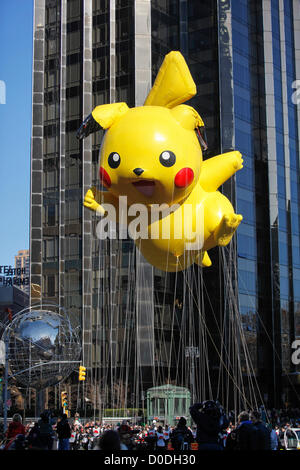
{"points": [[94, 197], [216, 170]]}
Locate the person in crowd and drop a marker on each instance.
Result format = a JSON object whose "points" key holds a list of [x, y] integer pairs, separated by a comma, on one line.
{"points": [[140, 443], [91, 441], [72, 440], [262, 434], [274, 438], [194, 431], [125, 434], [151, 437], [77, 420], [223, 437], [79, 437], [263, 414], [181, 437], [160, 439], [64, 433], [109, 441], [85, 440], [167, 432], [15, 428], [96, 431], [45, 429], [211, 421], [231, 443], [280, 435], [245, 437]]}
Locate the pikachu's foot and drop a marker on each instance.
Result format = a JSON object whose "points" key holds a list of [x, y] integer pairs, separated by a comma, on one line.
{"points": [[225, 230], [202, 259]]}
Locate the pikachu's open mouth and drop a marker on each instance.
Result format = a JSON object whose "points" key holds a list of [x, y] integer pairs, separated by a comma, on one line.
{"points": [[146, 187]]}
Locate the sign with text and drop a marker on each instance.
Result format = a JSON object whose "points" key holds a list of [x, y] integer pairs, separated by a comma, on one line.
{"points": [[10, 276]]}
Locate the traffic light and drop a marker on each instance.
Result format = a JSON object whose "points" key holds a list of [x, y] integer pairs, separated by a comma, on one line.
{"points": [[64, 399], [82, 372]]}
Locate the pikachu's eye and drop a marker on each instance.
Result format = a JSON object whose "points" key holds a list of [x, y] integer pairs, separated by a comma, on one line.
{"points": [[167, 158], [114, 160]]}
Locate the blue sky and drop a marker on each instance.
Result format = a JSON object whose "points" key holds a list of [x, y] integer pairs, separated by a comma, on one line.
{"points": [[16, 20]]}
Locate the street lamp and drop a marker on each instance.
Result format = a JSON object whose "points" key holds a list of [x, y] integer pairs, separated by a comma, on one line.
{"points": [[192, 352]]}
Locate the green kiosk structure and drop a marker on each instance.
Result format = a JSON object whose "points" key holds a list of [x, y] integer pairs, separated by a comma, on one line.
{"points": [[167, 403]]}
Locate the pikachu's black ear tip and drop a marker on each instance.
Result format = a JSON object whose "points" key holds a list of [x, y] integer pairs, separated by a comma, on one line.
{"points": [[201, 134], [89, 126]]}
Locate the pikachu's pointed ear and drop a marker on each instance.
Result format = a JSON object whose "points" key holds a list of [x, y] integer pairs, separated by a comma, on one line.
{"points": [[107, 114], [174, 83], [102, 117]]}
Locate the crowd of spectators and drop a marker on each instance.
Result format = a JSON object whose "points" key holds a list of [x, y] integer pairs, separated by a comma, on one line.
{"points": [[211, 429]]}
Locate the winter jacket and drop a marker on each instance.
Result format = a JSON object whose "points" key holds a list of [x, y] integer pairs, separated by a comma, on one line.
{"points": [[245, 436], [262, 436], [13, 430], [179, 436], [208, 426], [274, 440], [45, 428], [63, 429]]}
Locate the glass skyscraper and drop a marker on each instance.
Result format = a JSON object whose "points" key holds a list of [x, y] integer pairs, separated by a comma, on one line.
{"points": [[244, 58]]}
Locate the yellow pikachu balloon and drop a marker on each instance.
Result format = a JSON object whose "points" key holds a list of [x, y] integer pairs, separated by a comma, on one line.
{"points": [[152, 156]]}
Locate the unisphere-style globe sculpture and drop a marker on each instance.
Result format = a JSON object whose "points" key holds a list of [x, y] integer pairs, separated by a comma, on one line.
{"points": [[43, 348]]}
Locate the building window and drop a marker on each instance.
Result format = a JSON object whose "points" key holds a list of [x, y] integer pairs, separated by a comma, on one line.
{"points": [[51, 286]]}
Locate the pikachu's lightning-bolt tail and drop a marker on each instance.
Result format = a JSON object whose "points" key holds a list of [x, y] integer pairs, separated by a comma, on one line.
{"points": [[174, 83]]}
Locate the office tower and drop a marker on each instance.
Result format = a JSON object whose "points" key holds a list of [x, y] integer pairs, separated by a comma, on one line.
{"points": [[83, 56], [244, 59], [262, 47]]}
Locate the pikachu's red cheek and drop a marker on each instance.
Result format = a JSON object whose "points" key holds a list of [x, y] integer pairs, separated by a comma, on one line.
{"points": [[104, 177], [184, 178]]}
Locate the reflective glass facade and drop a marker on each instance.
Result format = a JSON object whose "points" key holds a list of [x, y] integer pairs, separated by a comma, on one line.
{"points": [[292, 180], [266, 132], [246, 119]]}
